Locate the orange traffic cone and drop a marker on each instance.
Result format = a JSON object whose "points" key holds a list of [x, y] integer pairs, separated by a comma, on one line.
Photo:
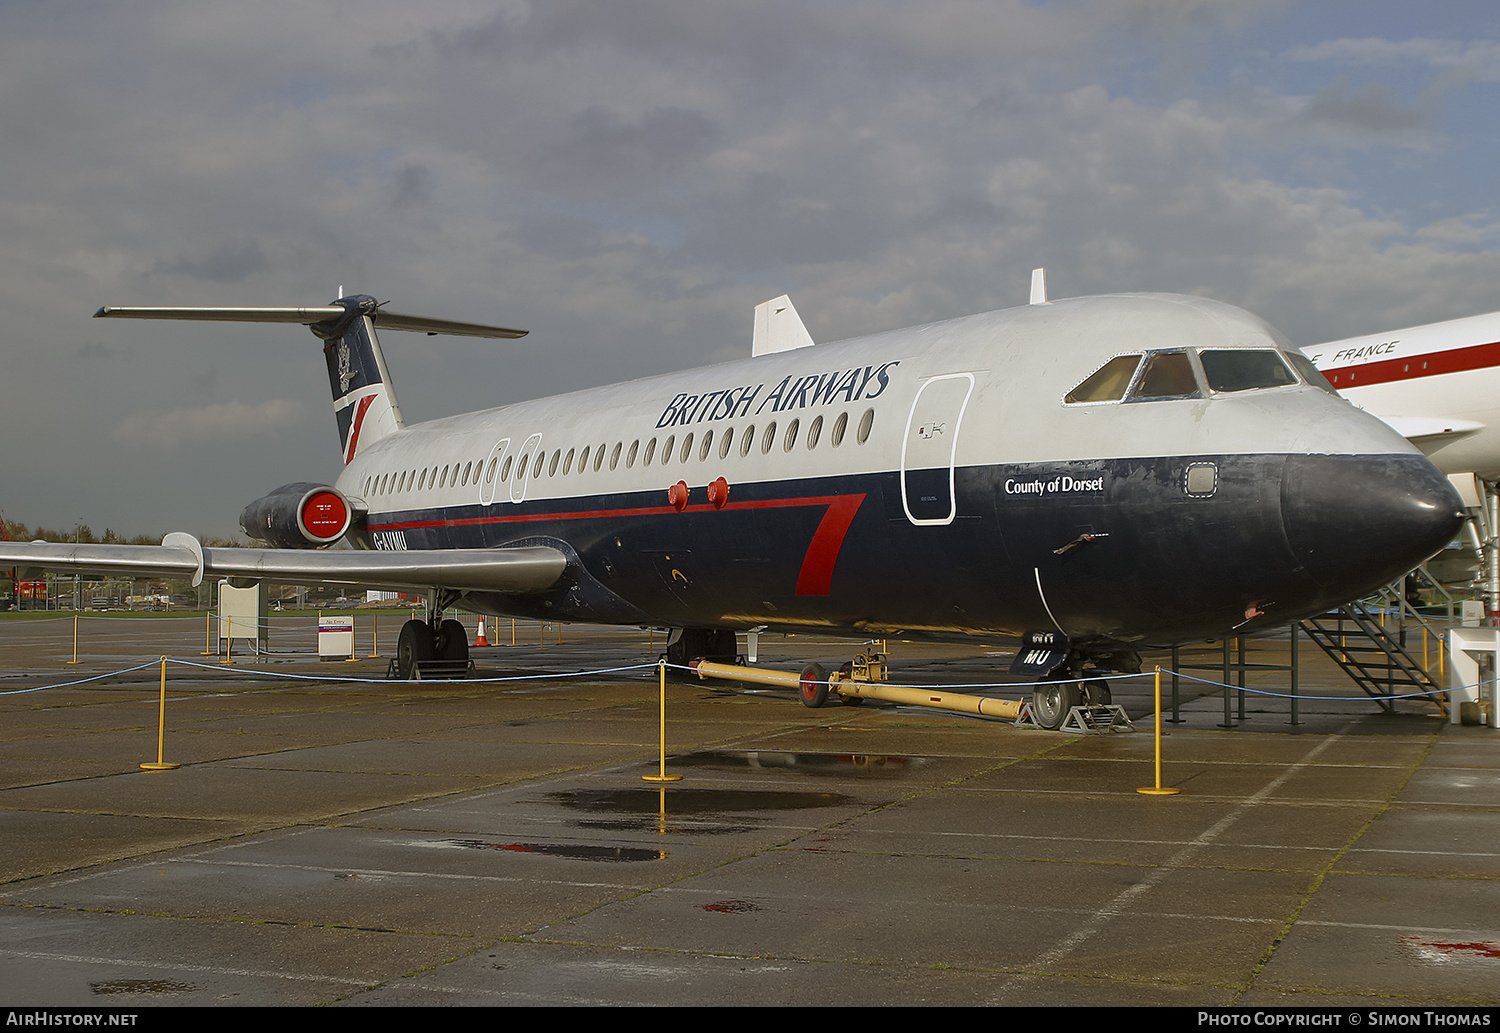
{"points": [[480, 640]]}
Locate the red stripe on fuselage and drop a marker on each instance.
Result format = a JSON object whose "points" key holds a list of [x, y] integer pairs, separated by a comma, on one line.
{"points": [[359, 419], [1454, 360], [814, 578]]}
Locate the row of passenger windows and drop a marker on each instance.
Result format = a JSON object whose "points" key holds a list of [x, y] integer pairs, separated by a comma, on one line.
{"points": [[1185, 373], [465, 473]]}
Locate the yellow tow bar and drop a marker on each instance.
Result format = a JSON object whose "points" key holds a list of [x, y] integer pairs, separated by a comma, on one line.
{"points": [[812, 679]]}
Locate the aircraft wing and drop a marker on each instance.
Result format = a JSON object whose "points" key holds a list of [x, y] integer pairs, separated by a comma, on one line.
{"points": [[1423, 431], [514, 571]]}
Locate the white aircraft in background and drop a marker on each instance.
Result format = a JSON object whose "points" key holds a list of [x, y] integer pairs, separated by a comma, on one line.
{"points": [[1101, 473], [1438, 385]]}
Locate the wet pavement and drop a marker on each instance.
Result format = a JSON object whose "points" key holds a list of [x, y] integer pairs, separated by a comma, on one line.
{"points": [[371, 843]]}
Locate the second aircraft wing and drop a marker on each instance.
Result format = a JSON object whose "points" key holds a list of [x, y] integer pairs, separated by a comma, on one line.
{"points": [[512, 571]]}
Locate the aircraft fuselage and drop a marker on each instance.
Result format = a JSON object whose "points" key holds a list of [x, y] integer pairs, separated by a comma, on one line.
{"points": [[946, 480]]}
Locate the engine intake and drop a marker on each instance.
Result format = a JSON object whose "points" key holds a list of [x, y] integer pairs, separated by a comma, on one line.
{"points": [[298, 516]]}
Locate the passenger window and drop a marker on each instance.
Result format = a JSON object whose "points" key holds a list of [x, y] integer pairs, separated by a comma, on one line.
{"points": [[490, 476], [536, 469], [521, 466], [650, 453], [614, 457], [768, 438], [708, 439], [1108, 383], [791, 436], [746, 440], [567, 462], [666, 450], [865, 423], [630, 456], [505, 470], [1244, 369], [839, 426], [599, 458], [422, 481], [583, 459], [814, 429], [552, 466], [1168, 375], [687, 448], [726, 443]]}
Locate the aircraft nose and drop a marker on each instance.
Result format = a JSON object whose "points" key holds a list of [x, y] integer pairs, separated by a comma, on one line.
{"points": [[1358, 522]]}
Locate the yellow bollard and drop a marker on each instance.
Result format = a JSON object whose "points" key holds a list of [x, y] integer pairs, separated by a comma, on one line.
{"points": [[208, 633], [75, 641], [161, 726], [512, 631], [663, 777], [1158, 789], [375, 636], [229, 644]]}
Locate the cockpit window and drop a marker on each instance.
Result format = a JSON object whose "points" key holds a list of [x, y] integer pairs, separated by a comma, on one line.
{"points": [[1244, 369], [1108, 383], [1168, 375], [1310, 373]]}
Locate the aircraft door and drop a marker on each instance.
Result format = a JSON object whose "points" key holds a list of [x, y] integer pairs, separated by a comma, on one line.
{"points": [[522, 475], [928, 448], [489, 471]]}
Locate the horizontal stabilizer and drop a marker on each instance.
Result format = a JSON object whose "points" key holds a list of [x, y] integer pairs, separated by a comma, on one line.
{"points": [[313, 315], [517, 571]]}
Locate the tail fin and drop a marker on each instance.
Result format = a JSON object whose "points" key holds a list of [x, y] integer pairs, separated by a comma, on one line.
{"points": [[363, 402]]}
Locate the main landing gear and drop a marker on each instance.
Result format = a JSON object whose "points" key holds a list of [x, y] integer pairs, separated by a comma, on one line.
{"points": [[441, 650]]}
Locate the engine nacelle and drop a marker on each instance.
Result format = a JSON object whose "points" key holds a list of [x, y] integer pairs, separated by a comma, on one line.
{"points": [[298, 516]]}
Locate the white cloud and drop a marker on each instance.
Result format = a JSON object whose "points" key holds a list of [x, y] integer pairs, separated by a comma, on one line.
{"points": [[236, 420], [1478, 58]]}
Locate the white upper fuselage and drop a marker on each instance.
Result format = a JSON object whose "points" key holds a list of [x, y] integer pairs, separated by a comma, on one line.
{"points": [[1438, 384], [1015, 367]]}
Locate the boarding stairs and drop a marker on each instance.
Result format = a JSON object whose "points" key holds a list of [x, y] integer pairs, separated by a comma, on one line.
{"points": [[1353, 637]]}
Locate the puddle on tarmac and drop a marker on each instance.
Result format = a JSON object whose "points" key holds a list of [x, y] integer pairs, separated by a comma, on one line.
{"points": [[700, 812], [141, 986], [858, 764], [578, 852], [709, 802]]}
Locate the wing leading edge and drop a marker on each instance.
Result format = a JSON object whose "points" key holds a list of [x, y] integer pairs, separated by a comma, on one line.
{"points": [[514, 571]]}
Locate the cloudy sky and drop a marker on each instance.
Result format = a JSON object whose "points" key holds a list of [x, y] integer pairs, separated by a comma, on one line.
{"points": [[627, 178]]}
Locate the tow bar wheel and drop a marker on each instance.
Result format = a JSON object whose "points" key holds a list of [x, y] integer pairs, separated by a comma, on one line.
{"points": [[814, 686]]}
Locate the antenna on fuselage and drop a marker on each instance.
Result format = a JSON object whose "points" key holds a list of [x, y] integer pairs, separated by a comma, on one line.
{"points": [[1039, 286]]}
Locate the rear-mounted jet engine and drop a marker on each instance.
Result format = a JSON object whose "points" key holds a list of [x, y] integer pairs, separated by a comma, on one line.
{"points": [[298, 516]]}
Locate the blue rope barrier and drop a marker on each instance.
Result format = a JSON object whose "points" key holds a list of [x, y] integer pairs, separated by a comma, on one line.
{"points": [[652, 666]]}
